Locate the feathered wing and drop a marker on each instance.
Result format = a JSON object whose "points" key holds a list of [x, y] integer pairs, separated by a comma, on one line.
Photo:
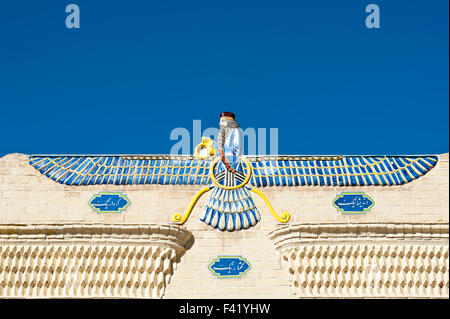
{"points": [[339, 171], [122, 170], [267, 170]]}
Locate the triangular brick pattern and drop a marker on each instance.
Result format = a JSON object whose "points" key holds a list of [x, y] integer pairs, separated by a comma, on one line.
{"points": [[85, 271], [365, 260], [388, 270], [62, 262]]}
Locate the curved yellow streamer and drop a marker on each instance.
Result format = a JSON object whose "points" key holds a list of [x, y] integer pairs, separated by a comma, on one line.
{"points": [[285, 216], [177, 218]]}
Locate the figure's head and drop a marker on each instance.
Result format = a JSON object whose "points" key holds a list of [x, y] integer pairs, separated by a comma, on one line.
{"points": [[227, 118]]}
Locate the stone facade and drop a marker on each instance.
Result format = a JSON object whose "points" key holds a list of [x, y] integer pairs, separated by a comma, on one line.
{"points": [[44, 224]]}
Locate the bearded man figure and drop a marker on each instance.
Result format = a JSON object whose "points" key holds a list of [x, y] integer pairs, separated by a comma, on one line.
{"points": [[229, 146], [230, 207]]}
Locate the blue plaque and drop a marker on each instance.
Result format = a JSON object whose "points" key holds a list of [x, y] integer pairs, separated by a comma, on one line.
{"points": [[109, 202], [229, 266], [353, 203]]}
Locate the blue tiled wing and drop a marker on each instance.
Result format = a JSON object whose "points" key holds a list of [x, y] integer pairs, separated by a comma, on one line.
{"points": [[267, 171], [339, 171], [122, 170]]}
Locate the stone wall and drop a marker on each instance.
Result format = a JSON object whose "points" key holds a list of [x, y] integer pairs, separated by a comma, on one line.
{"points": [[27, 198]]}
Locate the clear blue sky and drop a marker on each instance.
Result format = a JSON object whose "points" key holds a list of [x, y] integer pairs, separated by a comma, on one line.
{"points": [[137, 69]]}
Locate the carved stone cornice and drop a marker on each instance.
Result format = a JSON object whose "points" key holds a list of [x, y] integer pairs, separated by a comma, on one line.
{"points": [[169, 235]]}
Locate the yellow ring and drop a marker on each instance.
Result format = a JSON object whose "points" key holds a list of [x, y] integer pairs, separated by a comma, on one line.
{"points": [[247, 178], [197, 151], [197, 154]]}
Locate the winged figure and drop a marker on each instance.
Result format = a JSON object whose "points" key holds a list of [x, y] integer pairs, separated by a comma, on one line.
{"points": [[232, 178]]}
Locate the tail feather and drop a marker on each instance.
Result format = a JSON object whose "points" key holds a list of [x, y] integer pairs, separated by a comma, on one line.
{"points": [[230, 210]]}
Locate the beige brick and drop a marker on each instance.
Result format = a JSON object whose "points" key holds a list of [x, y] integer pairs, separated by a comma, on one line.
{"points": [[416, 195], [388, 195], [443, 195], [73, 194], [443, 165], [429, 202], [409, 202], [389, 202]]}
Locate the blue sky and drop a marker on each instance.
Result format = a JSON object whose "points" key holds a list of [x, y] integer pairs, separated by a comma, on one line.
{"points": [[135, 70]]}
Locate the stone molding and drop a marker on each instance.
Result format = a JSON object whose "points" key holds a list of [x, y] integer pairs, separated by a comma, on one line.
{"points": [[89, 261], [288, 235], [170, 235]]}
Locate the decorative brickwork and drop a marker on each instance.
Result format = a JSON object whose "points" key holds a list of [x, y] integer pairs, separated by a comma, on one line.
{"points": [[82, 261], [366, 260]]}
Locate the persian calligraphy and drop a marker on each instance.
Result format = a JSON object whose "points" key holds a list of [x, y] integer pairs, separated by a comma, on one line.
{"points": [[353, 203], [229, 266], [112, 202]]}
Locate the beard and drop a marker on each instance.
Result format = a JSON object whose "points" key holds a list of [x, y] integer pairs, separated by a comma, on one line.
{"points": [[224, 130]]}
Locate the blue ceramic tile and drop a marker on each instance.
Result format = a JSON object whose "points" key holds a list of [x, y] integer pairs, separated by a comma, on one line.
{"points": [[353, 202], [109, 202], [229, 266]]}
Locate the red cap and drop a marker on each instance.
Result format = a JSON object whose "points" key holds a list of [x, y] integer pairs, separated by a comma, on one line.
{"points": [[227, 114]]}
